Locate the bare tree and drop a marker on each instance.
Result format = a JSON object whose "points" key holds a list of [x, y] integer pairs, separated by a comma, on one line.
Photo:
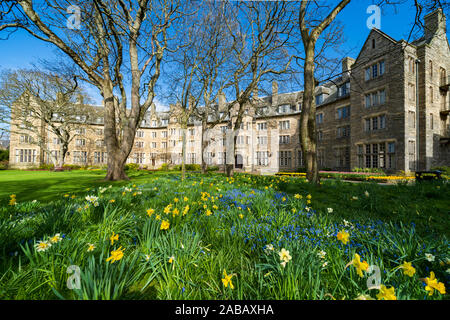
{"points": [[312, 26], [118, 46], [34, 103], [260, 32]]}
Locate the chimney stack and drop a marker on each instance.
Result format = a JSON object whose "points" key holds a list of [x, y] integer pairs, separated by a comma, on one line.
{"points": [[347, 64], [274, 93], [435, 24]]}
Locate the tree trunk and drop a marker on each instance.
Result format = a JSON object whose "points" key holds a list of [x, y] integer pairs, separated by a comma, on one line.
{"points": [[203, 146], [183, 152], [116, 156], [308, 118]]}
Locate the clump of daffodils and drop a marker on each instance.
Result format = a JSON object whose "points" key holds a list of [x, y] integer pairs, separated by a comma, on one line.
{"points": [[93, 200], [285, 257], [12, 200]]}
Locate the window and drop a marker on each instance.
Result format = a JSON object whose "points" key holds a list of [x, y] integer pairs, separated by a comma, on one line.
{"points": [[284, 125], [319, 99], [191, 132], [375, 98], [319, 135], [412, 92], [262, 126], [344, 89], [262, 158], [139, 158], [375, 70], [431, 70], [285, 139], [343, 113], [26, 139], [284, 109], [164, 134], [262, 111], [154, 123], [139, 144], [431, 95], [223, 129], [373, 44], [191, 158], [56, 141], [26, 155], [154, 134], [100, 143], [285, 158], [412, 119], [79, 156], [319, 118], [411, 65], [80, 131], [375, 123], [100, 157], [99, 132], [342, 155], [299, 158], [431, 121], [164, 145], [164, 122], [140, 134], [262, 141], [80, 142], [343, 132], [374, 155], [240, 140], [412, 154], [391, 155], [222, 158]]}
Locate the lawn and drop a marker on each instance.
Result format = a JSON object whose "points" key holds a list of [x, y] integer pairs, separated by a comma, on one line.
{"points": [[210, 237]]}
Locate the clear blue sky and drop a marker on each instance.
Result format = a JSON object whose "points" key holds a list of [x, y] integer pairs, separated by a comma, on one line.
{"points": [[20, 50]]}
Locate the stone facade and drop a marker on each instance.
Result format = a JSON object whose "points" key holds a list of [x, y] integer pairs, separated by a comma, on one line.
{"points": [[366, 117]]}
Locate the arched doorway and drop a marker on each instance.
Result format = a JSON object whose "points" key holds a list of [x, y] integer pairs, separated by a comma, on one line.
{"points": [[238, 162]]}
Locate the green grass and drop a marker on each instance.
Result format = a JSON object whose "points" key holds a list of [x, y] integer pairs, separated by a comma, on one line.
{"points": [[49, 185], [227, 226]]}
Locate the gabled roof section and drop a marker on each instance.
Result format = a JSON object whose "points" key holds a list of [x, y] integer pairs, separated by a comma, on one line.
{"points": [[379, 32]]}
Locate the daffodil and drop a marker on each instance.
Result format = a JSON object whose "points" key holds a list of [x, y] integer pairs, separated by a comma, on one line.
{"points": [[56, 238], [297, 196], [165, 225], [171, 259], [360, 266], [408, 269], [227, 279], [386, 294], [432, 284], [330, 210], [343, 236], [91, 247], [429, 257], [114, 237], [284, 255], [150, 212], [42, 246], [116, 255]]}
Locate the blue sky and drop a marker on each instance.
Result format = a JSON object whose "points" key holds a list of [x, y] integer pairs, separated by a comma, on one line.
{"points": [[21, 50]]}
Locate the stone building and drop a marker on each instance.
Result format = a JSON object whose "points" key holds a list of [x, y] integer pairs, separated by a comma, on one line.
{"points": [[389, 109]]}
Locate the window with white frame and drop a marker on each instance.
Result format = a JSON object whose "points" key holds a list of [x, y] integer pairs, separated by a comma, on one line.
{"points": [[80, 142], [26, 139], [79, 156], [284, 125], [140, 134], [319, 118], [262, 140], [139, 157], [164, 134], [262, 126], [100, 157], [25, 155], [262, 158], [139, 144], [285, 139]]}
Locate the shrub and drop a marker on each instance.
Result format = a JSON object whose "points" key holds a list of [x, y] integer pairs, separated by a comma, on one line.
{"points": [[213, 168], [164, 167], [47, 166], [131, 166], [71, 167], [4, 165], [445, 170], [4, 155]]}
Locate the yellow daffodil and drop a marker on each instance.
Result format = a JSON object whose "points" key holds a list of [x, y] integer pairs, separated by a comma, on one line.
{"points": [[241, 216], [185, 199], [42, 246], [150, 212], [343, 236], [297, 196], [284, 255], [114, 237], [56, 238], [91, 247], [408, 269], [112, 201], [185, 210], [227, 279], [175, 200], [432, 284], [386, 294], [165, 225], [360, 266], [175, 212], [116, 255], [171, 259], [208, 212]]}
